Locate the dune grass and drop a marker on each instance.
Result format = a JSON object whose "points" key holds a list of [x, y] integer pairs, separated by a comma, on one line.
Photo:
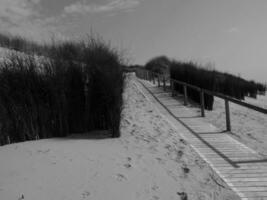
{"points": [[75, 87], [213, 80], [210, 79], [159, 64]]}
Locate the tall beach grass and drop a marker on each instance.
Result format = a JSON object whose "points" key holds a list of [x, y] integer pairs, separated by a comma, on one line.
{"points": [[210, 79], [215, 81], [75, 87]]}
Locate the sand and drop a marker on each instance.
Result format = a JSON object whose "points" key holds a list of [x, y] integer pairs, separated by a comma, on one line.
{"points": [[149, 161], [248, 126]]}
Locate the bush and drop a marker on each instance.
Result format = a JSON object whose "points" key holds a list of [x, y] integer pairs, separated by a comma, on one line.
{"points": [[190, 73], [76, 88], [213, 80], [159, 65]]}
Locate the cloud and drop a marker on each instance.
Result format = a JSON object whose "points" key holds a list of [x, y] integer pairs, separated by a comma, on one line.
{"points": [[22, 17], [111, 5], [16, 11], [26, 17], [233, 30]]}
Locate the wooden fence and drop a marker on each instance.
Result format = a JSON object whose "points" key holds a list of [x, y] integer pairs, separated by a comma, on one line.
{"points": [[163, 80]]}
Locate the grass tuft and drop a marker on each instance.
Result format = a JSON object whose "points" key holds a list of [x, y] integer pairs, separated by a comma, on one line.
{"points": [[76, 86]]}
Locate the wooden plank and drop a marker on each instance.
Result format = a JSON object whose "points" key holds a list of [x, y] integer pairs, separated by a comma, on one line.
{"points": [[255, 194], [246, 175], [248, 184], [249, 179], [243, 170], [225, 166], [252, 198], [206, 149], [236, 148], [226, 173], [234, 153], [235, 159], [209, 150], [252, 189], [221, 146]]}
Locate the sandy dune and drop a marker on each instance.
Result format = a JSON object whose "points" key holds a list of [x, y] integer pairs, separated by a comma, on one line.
{"points": [[149, 161], [248, 126]]}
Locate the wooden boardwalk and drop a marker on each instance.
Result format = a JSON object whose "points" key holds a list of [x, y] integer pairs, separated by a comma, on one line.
{"points": [[243, 169]]}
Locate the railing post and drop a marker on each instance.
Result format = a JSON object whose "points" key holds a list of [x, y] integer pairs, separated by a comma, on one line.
{"points": [[145, 75], [153, 77], [227, 115], [185, 95], [8, 140], [158, 81], [172, 87], [164, 83], [37, 137], [202, 103]]}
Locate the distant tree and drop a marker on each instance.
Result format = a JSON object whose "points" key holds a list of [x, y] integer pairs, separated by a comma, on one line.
{"points": [[160, 64]]}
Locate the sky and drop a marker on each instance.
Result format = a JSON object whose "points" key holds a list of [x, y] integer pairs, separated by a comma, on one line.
{"points": [[230, 35]]}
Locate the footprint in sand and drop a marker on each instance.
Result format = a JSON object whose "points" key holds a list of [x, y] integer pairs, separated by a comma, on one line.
{"points": [[85, 194], [182, 195], [183, 141], [157, 116], [180, 154], [127, 165], [127, 121], [155, 198], [155, 187], [43, 151], [160, 161], [132, 132], [186, 170], [121, 177]]}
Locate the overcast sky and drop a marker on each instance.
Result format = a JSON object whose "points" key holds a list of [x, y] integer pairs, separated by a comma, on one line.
{"points": [[231, 34]]}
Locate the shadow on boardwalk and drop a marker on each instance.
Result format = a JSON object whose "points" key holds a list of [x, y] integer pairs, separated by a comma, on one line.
{"points": [[242, 168]]}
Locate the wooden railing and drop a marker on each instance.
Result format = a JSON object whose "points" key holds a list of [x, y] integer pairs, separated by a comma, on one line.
{"points": [[162, 79]]}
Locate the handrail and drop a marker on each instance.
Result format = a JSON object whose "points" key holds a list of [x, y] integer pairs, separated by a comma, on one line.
{"points": [[236, 101], [202, 91], [222, 96], [186, 84]]}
